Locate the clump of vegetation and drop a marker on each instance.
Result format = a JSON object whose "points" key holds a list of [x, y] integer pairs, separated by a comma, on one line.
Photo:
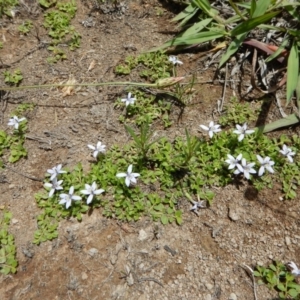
{"points": [[6, 6], [25, 27], [276, 276], [152, 66], [14, 78], [58, 23], [8, 261]]}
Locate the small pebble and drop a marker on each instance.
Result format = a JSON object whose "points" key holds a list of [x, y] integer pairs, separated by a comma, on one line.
{"points": [[232, 296], [142, 235], [288, 240], [233, 215], [93, 251]]}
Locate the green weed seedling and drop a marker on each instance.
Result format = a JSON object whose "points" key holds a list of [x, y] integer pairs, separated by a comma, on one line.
{"points": [[14, 143], [6, 6], [25, 27], [153, 65], [147, 108], [58, 24], [14, 78], [236, 112], [8, 261], [22, 108], [142, 141], [277, 276]]}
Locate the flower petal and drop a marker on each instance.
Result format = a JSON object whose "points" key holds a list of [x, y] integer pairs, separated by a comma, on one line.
{"points": [[89, 199], [204, 127], [71, 191], [129, 170], [127, 181], [121, 175]]}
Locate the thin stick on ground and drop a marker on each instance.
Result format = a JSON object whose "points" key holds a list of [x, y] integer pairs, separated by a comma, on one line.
{"points": [[249, 270]]}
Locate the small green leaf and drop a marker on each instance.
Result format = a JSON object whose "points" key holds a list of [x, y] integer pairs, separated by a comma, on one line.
{"points": [[164, 220], [5, 270], [293, 293], [281, 287], [257, 274]]}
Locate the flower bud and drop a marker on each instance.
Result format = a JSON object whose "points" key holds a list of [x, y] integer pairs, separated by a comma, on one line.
{"points": [[164, 82]]}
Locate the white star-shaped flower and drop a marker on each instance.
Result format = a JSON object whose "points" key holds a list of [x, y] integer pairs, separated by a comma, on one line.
{"points": [[15, 121], [197, 205], [129, 100], [294, 269], [54, 172], [129, 176], [92, 191], [54, 186], [245, 168], [67, 198], [233, 162], [174, 60], [212, 128], [100, 148], [242, 131], [286, 151], [265, 163]]}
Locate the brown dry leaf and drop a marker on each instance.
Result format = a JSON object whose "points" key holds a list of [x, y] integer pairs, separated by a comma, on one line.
{"points": [[92, 65], [69, 89]]}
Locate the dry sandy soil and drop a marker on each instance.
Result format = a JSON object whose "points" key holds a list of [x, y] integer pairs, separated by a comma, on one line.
{"points": [[203, 258]]}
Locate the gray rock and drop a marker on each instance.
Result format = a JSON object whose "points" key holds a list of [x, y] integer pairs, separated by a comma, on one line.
{"points": [[93, 252], [232, 296], [207, 297], [233, 215], [288, 240]]}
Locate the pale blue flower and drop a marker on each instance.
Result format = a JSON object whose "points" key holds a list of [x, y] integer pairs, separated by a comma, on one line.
{"points": [[92, 191], [67, 198], [129, 176]]}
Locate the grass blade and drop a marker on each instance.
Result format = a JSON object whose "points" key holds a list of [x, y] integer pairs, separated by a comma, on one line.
{"points": [[278, 51], [186, 12], [204, 5], [252, 8], [197, 27], [298, 95], [260, 8], [252, 23], [233, 47], [133, 135], [288, 121], [185, 15], [198, 38], [292, 72], [192, 39]]}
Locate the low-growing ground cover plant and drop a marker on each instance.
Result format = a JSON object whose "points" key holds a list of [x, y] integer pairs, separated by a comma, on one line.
{"points": [[8, 260], [188, 165], [281, 278], [14, 143]]}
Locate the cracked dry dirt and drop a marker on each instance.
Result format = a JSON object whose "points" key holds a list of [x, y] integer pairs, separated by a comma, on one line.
{"points": [[104, 259]]}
